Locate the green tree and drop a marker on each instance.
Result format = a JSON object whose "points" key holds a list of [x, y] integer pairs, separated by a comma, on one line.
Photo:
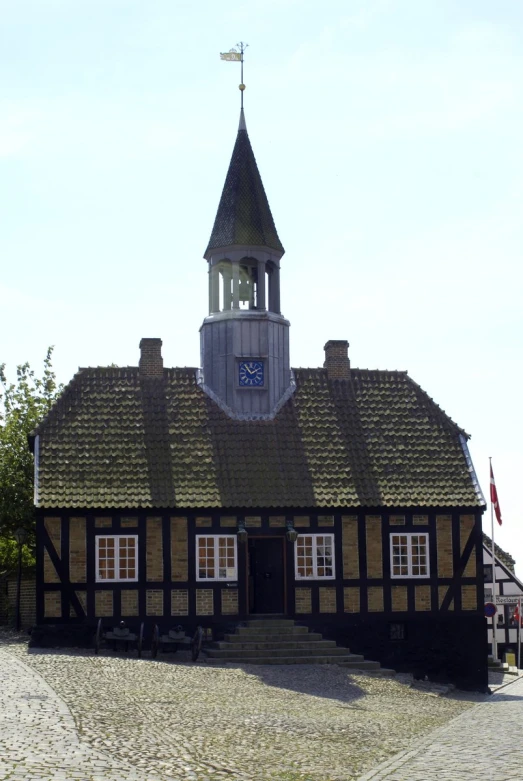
{"points": [[23, 404]]}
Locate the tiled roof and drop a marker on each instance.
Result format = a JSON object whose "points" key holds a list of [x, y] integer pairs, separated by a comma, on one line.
{"points": [[115, 440], [244, 216]]}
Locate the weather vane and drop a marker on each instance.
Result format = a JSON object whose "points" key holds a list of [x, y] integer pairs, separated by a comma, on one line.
{"points": [[236, 55]]}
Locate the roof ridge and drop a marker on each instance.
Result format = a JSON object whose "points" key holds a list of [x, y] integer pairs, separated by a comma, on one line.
{"points": [[439, 409]]}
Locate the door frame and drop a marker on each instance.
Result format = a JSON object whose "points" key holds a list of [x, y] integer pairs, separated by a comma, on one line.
{"points": [[284, 558]]}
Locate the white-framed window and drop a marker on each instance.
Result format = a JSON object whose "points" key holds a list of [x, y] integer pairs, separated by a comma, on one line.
{"points": [[314, 556], [409, 555], [116, 557], [216, 557]]}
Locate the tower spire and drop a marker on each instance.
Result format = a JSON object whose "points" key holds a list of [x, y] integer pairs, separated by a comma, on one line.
{"points": [[245, 338]]}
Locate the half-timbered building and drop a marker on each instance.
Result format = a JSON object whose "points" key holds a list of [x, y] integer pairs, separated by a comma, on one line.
{"points": [[508, 591], [343, 498]]}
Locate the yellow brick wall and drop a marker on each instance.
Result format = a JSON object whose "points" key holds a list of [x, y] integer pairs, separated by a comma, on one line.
{"points": [[469, 598], [50, 574], [442, 593], [204, 602], [82, 598], [351, 562], [179, 602], [54, 529], [52, 604], [374, 547], [466, 525], [128, 523], [444, 540], [229, 601], [325, 520], [375, 599], [179, 549], [327, 599], [154, 602], [303, 599], [420, 520], [103, 604], [154, 549], [252, 521], [103, 523], [77, 550], [422, 598], [277, 520], [397, 520], [301, 521], [130, 602], [204, 521], [228, 521], [399, 599], [351, 599]]}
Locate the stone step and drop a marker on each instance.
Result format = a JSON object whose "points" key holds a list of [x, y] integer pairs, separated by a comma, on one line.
{"points": [[238, 653], [277, 640], [236, 643], [273, 637], [280, 630], [263, 622], [347, 661]]}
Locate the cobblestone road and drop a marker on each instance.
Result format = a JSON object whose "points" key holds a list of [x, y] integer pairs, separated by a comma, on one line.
{"points": [[76, 716], [38, 736], [483, 744]]}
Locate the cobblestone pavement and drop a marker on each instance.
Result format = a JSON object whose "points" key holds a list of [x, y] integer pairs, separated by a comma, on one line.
{"points": [[483, 744], [38, 736], [113, 717]]}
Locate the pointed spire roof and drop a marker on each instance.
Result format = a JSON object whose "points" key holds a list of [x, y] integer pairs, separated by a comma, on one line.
{"points": [[244, 216]]}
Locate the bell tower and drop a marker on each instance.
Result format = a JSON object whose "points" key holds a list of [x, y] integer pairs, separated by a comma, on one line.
{"points": [[245, 339]]}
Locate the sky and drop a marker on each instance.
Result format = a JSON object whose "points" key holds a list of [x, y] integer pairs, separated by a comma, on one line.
{"points": [[388, 136]]}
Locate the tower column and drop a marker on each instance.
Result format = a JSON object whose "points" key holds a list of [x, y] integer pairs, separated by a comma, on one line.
{"points": [[214, 289], [260, 292], [227, 298], [235, 284], [274, 290]]}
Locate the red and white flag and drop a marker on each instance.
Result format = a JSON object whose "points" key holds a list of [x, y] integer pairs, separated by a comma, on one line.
{"points": [[494, 496]]}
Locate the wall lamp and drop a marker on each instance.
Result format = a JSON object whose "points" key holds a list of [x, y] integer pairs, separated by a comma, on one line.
{"points": [[242, 533], [291, 533]]}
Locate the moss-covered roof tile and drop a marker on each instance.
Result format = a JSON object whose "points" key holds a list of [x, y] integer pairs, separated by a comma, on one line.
{"points": [[116, 440]]}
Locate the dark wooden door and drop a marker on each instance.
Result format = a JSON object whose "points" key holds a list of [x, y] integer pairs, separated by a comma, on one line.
{"points": [[266, 576]]}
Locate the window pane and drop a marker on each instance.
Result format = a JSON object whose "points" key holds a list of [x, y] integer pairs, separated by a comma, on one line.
{"points": [[314, 556], [409, 555]]}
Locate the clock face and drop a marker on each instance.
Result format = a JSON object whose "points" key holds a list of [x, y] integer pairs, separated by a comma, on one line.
{"points": [[251, 374]]}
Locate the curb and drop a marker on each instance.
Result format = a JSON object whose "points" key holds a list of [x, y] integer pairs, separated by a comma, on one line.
{"points": [[504, 685]]}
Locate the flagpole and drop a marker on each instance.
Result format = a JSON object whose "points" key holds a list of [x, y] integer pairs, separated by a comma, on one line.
{"points": [[494, 621], [519, 634]]}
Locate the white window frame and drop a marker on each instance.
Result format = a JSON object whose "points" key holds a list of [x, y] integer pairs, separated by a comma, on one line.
{"points": [[409, 536], [116, 538], [314, 576], [216, 538]]}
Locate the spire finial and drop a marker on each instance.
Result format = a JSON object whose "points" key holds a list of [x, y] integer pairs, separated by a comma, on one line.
{"points": [[236, 55]]}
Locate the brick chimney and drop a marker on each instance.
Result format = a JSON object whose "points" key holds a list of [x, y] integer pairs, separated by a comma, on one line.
{"points": [[151, 361], [337, 359]]}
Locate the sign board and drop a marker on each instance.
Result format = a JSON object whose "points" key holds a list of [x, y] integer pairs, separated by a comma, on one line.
{"points": [[512, 599], [490, 610]]}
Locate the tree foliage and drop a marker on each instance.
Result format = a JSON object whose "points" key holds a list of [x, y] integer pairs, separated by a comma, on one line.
{"points": [[23, 404]]}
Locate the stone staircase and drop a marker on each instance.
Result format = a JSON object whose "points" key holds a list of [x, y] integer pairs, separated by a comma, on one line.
{"points": [[280, 641]]}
